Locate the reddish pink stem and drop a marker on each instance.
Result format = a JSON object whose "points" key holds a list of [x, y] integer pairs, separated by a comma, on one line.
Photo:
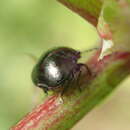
{"points": [[43, 111], [50, 108]]}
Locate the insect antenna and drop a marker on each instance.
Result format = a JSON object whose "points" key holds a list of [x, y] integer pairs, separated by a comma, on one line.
{"points": [[89, 50]]}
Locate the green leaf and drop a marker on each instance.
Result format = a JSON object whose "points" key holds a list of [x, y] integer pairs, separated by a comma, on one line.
{"points": [[89, 9]]}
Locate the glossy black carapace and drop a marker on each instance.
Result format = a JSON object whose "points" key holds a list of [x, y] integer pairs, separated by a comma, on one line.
{"points": [[57, 69]]}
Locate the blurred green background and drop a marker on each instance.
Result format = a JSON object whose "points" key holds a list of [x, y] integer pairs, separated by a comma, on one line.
{"points": [[30, 27]]}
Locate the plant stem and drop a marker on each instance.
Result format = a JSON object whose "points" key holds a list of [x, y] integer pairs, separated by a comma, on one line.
{"points": [[58, 113]]}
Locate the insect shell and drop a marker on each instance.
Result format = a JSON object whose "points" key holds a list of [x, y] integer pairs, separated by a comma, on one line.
{"points": [[57, 69]]}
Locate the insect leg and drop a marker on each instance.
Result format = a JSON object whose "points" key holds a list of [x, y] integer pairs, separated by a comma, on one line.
{"points": [[78, 80], [86, 67], [67, 84], [44, 87]]}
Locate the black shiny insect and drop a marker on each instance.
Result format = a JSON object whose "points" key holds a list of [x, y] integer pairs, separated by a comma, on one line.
{"points": [[58, 68]]}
